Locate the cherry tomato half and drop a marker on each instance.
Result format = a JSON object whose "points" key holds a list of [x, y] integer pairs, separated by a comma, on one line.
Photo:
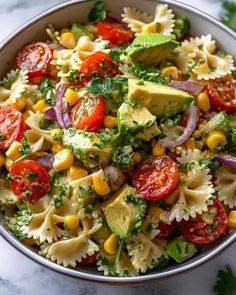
{"points": [[98, 64], [29, 180], [12, 125], [198, 231], [34, 58], [89, 260], [156, 178], [88, 113], [222, 94], [166, 230], [114, 31]]}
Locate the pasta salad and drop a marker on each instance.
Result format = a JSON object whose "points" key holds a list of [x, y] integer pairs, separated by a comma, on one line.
{"points": [[118, 141]]}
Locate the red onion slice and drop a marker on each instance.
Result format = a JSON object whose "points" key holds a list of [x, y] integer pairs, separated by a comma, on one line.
{"points": [[46, 160], [112, 173], [191, 126], [59, 108], [188, 86], [50, 114], [226, 160]]}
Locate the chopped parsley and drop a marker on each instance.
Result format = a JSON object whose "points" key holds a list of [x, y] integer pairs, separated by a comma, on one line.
{"points": [[25, 149], [196, 63], [73, 74], [123, 156], [8, 83], [98, 12], [48, 92], [229, 18], [63, 193], [116, 54], [150, 74], [32, 175], [131, 198]]}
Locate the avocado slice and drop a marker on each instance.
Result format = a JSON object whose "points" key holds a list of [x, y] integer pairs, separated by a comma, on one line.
{"points": [[151, 49], [148, 133], [79, 30], [134, 119], [221, 121], [180, 249], [124, 210], [88, 147], [161, 100]]}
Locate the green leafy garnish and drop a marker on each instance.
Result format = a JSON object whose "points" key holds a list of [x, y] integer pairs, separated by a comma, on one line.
{"points": [[226, 282], [48, 92], [123, 156], [98, 12], [73, 74], [8, 83], [150, 74], [25, 149], [116, 53], [229, 19], [182, 28], [32, 175]]}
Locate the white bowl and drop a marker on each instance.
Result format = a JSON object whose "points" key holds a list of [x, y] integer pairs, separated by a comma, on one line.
{"points": [[78, 11]]}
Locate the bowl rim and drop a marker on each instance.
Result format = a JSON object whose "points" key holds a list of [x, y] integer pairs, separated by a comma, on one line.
{"points": [[100, 278]]}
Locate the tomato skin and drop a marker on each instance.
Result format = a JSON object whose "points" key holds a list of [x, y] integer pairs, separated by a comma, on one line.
{"points": [[222, 94], [112, 30], [88, 113], [156, 178], [166, 230], [98, 64], [199, 232], [89, 260], [35, 58], [12, 126], [37, 185]]}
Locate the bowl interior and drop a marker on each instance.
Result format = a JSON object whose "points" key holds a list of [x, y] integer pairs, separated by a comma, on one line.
{"points": [[78, 11]]}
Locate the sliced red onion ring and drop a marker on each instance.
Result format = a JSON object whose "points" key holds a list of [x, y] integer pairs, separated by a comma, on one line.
{"points": [[188, 86], [112, 173], [59, 108], [210, 115], [191, 126], [226, 160], [50, 114], [46, 160]]}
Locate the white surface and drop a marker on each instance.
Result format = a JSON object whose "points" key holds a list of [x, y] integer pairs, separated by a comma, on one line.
{"points": [[21, 276]]}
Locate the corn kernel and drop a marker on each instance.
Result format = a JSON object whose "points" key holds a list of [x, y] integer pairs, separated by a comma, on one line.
{"points": [[20, 103], [158, 149], [71, 221], [2, 160], [190, 144], [57, 147], [68, 40], [172, 198], [171, 72], [8, 164], [215, 140], [77, 172], [72, 97], [199, 144], [110, 245], [152, 28], [41, 106], [203, 102], [100, 184], [232, 219], [137, 157], [14, 151], [155, 212], [63, 160], [109, 122]]}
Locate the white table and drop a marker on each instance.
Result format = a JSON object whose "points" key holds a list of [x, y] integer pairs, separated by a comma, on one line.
{"points": [[21, 276]]}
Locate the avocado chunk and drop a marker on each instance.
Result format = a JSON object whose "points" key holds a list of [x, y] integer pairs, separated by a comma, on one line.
{"points": [[79, 30], [161, 100], [134, 119], [102, 234], [151, 49], [124, 211], [89, 147], [221, 121], [148, 133], [180, 249]]}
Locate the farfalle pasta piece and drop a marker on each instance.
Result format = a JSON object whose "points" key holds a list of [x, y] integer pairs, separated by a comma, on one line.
{"points": [[35, 140], [72, 250], [7, 197], [145, 253], [202, 60], [196, 193], [43, 226], [149, 226], [13, 86], [190, 156], [226, 185], [33, 121], [68, 59], [161, 22]]}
